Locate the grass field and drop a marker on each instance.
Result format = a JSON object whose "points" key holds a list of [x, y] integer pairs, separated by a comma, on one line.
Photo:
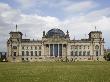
{"points": [[55, 72]]}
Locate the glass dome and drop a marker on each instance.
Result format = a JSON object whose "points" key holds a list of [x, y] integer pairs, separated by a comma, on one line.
{"points": [[55, 32]]}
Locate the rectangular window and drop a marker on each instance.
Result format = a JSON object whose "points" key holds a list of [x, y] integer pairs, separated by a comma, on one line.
{"points": [[35, 47], [39, 47], [22, 53], [35, 53], [27, 53], [14, 53], [39, 53], [88, 53], [31, 53], [23, 48]]}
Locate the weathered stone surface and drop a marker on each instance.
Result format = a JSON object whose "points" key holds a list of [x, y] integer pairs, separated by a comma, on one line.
{"points": [[55, 47]]}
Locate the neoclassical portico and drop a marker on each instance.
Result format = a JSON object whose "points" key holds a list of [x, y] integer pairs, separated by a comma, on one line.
{"points": [[55, 42], [55, 50]]}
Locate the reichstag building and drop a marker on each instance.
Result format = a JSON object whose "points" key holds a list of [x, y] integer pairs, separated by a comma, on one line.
{"points": [[55, 46]]}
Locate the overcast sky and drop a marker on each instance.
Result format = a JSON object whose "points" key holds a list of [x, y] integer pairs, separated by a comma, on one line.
{"points": [[79, 17]]}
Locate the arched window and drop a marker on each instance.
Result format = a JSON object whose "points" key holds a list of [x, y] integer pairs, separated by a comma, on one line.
{"points": [[96, 47], [14, 47], [27, 53], [76, 53], [88, 53], [80, 53], [84, 53], [71, 53]]}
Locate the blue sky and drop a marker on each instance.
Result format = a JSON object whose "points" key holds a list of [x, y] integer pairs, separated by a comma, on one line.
{"points": [[33, 16]]}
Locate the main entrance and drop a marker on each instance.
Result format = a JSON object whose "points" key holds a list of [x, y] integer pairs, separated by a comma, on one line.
{"points": [[55, 50]]}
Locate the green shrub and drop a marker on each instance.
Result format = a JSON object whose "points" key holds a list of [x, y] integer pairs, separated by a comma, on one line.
{"points": [[108, 56]]}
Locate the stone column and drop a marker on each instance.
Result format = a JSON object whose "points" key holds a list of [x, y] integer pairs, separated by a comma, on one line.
{"points": [[49, 49], [100, 47], [58, 50], [62, 51], [53, 50]]}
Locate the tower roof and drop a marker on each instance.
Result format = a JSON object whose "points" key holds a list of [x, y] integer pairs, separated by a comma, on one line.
{"points": [[16, 33]]}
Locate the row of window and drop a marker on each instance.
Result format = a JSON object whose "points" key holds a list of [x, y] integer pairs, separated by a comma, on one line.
{"points": [[28, 59], [79, 47], [31, 47], [80, 53], [32, 53], [82, 47]]}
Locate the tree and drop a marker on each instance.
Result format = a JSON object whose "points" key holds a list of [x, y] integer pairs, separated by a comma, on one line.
{"points": [[105, 56], [108, 57], [3, 58]]}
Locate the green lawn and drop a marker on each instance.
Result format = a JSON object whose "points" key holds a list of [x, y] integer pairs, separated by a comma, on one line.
{"points": [[55, 72]]}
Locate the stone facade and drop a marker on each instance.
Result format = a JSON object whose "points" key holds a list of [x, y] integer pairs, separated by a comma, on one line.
{"points": [[55, 46]]}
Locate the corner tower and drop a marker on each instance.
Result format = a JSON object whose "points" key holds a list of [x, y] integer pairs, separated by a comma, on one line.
{"points": [[95, 35], [13, 45], [97, 43]]}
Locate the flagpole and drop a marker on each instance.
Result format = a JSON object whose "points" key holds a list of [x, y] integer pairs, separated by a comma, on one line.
{"points": [[16, 27], [95, 28]]}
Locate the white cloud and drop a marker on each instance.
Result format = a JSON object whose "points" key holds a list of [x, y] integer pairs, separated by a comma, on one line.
{"points": [[33, 25], [8, 14], [4, 7], [98, 14], [60, 3], [26, 3], [31, 3], [80, 6]]}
